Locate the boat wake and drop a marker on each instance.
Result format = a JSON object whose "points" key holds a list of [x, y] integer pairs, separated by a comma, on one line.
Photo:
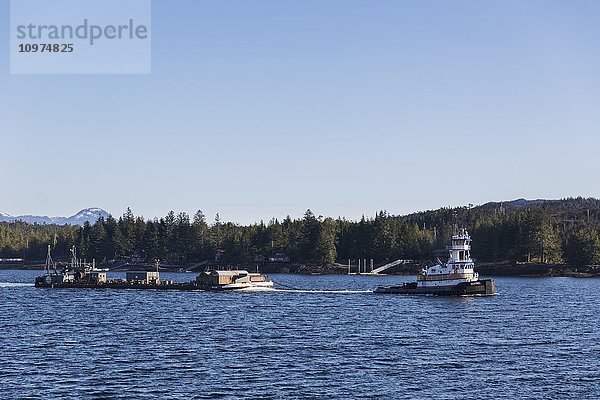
{"points": [[322, 291], [286, 288], [12, 284]]}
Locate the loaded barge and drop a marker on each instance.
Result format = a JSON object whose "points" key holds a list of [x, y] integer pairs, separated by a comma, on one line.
{"points": [[83, 275], [453, 278]]}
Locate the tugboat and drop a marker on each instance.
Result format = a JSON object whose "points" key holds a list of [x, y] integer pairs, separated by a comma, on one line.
{"points": [[453, 278]]}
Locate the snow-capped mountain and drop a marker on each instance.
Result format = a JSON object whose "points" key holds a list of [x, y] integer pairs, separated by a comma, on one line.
{"points": [[88, 214]]}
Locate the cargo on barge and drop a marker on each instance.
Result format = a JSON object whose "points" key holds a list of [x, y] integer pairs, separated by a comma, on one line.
{"points": [[85, 276]]}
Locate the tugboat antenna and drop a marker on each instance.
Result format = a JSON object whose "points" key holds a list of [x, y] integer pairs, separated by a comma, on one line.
{"points": [[455, 223]]}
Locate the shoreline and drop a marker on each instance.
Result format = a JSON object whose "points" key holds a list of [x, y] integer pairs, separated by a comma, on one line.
{"points": [[484, 269]]}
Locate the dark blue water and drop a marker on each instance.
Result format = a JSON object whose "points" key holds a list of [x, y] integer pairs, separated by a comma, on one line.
{"points": [[539, 338]]}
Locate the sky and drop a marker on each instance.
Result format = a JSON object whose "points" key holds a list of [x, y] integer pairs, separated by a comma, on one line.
{"points": [[265, 109]]}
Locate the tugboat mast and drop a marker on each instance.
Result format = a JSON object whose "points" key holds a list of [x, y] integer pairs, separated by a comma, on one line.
{"points": [[48, 261], [157, 273], [73, 258], [454, 223]]}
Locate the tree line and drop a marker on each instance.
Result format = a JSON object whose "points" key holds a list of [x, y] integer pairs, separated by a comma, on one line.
{"points": [[556, 231]]}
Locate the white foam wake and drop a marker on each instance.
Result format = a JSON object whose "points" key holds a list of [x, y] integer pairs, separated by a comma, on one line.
{"points": [[12, 284], [322, 291]]}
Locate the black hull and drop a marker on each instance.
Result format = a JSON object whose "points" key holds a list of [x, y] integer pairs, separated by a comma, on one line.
{"points": [[482, 287], [119, 285]]}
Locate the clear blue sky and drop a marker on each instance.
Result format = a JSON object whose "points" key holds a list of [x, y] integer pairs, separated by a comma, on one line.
{"points": [[259, 109]]}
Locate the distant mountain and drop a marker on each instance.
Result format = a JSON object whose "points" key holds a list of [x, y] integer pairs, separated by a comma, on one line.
{"points": [[568, 207], [517, 203], [90, 215]]}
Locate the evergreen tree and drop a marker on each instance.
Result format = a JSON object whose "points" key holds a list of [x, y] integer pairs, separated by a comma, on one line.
{"points": [[326, 252]]}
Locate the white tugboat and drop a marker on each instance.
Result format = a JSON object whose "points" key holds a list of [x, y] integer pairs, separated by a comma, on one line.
{"points": [[455, 277]]}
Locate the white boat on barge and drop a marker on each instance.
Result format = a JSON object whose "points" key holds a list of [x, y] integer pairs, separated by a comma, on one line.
{"points": [[453, 278], [233, 280]]}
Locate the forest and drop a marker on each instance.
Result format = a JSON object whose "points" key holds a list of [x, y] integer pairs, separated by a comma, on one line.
{"points": [[540, 231]]}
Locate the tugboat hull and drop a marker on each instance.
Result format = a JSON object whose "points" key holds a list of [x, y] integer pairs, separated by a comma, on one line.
{"points": [[481, 287]]}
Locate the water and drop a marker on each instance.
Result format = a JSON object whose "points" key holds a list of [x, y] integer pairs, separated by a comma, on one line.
{"points": [[539, 338]]}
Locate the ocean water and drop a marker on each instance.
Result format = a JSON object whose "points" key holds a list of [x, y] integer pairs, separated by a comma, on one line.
{"points": [[538, 338]]}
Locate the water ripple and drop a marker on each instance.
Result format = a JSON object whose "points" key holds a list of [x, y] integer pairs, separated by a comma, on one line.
{"points": [[539, 339]]}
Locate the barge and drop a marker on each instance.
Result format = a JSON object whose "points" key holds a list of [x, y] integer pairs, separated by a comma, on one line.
{"points": [[453, 278], [84, 276]]}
